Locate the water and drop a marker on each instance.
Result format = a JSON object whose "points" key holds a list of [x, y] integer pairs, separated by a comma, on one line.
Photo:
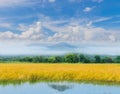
{"points": [[59, 88]]}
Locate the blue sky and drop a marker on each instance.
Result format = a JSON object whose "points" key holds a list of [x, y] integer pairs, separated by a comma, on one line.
{"points": [[59, 26]]}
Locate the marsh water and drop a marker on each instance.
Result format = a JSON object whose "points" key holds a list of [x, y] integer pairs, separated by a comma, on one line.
{"points": [[59, 88]]}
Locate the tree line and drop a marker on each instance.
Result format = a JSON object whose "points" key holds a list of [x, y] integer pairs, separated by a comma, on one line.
{"points": [[68, 58]]}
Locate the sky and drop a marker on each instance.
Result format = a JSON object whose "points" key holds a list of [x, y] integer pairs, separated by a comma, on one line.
{"points": [[42, 27]]}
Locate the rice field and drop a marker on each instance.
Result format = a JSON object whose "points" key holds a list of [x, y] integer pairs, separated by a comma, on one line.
{"points": [[60, 72]]}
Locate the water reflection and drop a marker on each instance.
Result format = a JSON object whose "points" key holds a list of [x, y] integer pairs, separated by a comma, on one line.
{"points": [[59, 88]]}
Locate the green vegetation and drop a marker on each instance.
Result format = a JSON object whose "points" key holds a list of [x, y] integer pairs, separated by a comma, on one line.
{"points": [[68, 58]]}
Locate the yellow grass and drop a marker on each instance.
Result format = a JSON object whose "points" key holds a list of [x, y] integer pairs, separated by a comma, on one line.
{"points": [[60, 72]]}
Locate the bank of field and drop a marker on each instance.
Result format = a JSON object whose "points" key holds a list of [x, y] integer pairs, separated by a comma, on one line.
{"points": [[60, 72]]}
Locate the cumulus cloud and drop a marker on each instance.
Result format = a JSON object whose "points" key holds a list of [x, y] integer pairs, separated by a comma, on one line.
{"points": [[8, 36], [52, 31], [33, 32]]}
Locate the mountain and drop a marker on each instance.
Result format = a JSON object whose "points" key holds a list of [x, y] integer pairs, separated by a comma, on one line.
{"points": [[61, 46]]}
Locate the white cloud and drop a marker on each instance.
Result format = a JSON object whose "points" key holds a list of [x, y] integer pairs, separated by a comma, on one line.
{"points": [[6, 25], [112, 37], [102, 19], [7, 3], [98, 1], [98, 20], [33, 32], [89, 23], [7, 35], [25, 3], [13, 3], [22, 27], [88, 9], [69, 31]]}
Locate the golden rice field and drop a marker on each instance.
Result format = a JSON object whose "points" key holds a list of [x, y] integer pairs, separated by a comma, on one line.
{"points": [[60, 72]]}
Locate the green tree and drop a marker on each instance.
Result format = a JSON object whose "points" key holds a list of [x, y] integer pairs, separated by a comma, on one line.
{"points": [[107, 60], [97, 59], [81, 58], [59, 59], [27, 59], [117, 59], [71, 58], [86, 60], [37, 59], [52, 59]]}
